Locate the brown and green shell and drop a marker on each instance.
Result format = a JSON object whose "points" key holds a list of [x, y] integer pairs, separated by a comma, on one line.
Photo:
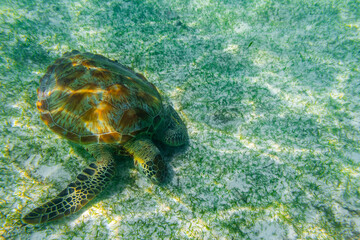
{"points": [[88, 98]]}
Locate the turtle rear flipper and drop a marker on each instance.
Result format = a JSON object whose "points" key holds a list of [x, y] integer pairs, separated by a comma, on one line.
{"points": [[77, 194]]}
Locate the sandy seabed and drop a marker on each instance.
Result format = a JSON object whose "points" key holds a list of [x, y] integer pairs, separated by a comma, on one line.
{"points": [[269, 93]]}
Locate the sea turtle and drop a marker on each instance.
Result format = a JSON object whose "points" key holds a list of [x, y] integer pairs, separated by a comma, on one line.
{"points": [[105, 106]]}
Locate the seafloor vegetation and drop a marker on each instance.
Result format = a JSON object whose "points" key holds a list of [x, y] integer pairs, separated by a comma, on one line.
{"points": [[269, 92]]}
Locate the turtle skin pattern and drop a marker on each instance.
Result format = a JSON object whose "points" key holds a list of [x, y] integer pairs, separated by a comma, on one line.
{"points": [[105, 106], [77, 194]]}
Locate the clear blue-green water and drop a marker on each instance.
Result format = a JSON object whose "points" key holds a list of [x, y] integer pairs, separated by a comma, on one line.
{"points": [[270, 94]]}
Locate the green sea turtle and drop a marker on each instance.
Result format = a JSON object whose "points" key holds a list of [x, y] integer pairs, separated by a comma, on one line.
{"points": [[97, 102]]}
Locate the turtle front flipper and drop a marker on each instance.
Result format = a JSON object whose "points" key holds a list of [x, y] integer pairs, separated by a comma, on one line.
{"points": [[78, 193], [147, 158]]}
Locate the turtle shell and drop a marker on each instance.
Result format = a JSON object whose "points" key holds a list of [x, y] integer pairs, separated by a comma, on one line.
{"points": [[88, 98]]}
